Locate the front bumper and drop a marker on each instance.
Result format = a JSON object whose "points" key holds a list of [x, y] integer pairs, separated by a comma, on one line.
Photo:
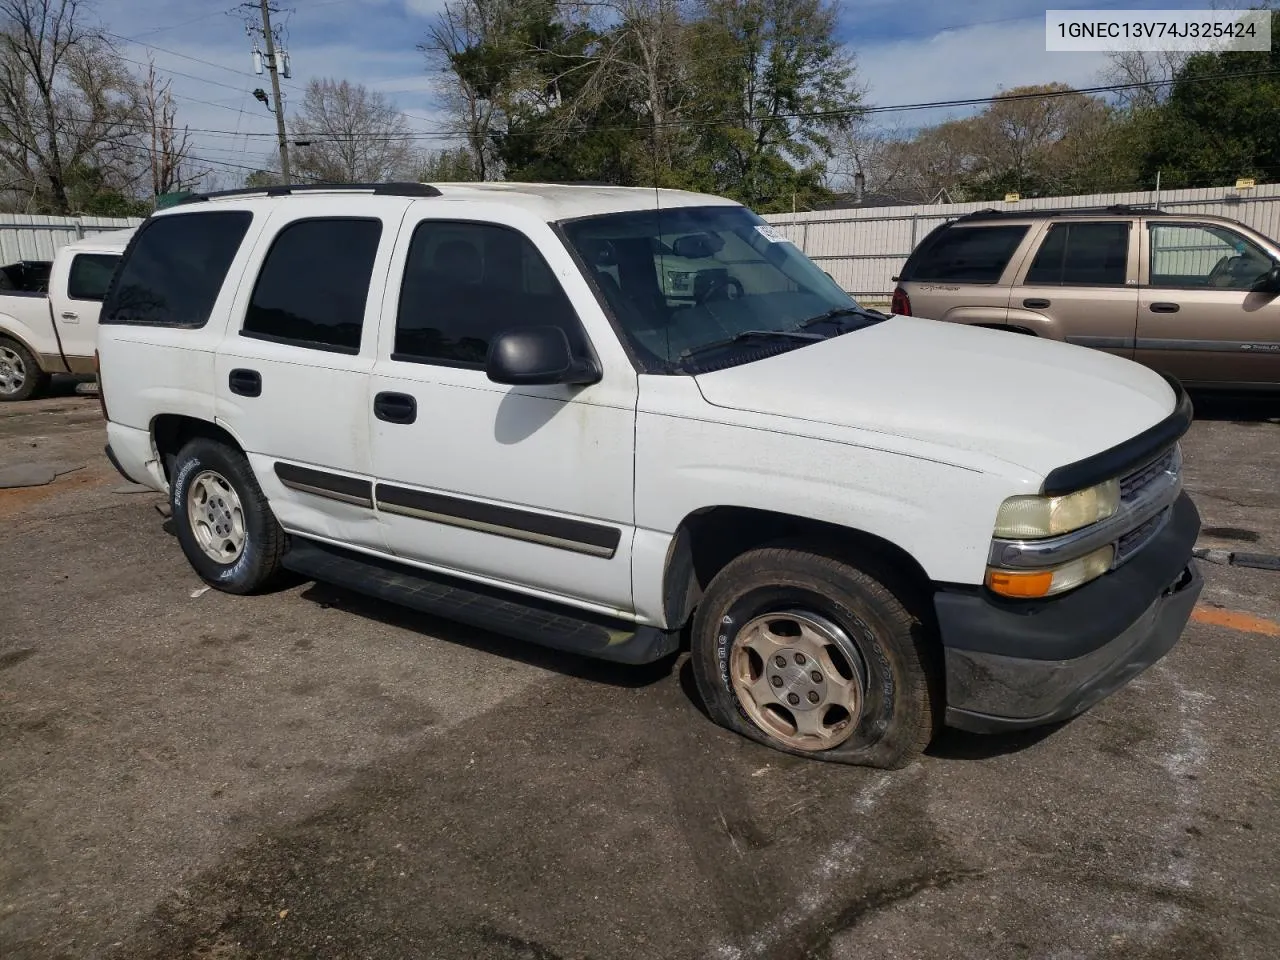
{"points": [[1012, 665]]}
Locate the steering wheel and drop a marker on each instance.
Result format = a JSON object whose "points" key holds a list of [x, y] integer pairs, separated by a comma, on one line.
{"points": [[722, 288]]}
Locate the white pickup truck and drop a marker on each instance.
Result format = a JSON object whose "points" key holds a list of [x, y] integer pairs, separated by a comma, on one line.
{"points": [[55, 330], [480, 401]]}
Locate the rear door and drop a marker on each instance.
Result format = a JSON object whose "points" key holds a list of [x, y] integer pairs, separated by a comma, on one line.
{"points": [[293, 370], [76, 291], [1081, 285], [1198, 317]]}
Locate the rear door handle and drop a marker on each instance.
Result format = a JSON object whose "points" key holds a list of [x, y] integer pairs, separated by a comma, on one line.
{"points": [[1164, 308], [395, 407], [1035, 303], [247, 383], [70, 315]]}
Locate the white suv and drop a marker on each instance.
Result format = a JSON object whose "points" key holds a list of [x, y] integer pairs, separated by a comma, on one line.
{"points": [[482, 402]]}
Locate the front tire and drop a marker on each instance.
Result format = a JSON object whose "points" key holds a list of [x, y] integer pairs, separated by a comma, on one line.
{"points": [[817, 658], [224, 523], [20, 375]]}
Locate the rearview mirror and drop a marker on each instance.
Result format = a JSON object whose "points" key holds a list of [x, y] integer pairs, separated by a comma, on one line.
{"points": [[536, 355], [697, 246], [1269, 282]]}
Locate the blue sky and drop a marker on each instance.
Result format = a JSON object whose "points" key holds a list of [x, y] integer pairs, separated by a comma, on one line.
{"points": [[907, 51]]}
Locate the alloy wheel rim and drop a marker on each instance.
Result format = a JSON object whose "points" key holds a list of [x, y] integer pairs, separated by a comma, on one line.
{"points": [[216, 517], [13, 372], [800, 678]]}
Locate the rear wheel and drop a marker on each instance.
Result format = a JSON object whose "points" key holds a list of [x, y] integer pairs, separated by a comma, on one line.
{"points": [[225, 525], [20, 376], [815, 657]]}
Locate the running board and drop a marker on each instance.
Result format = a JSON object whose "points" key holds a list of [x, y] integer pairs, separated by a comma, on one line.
{"points": [[476, 605]]}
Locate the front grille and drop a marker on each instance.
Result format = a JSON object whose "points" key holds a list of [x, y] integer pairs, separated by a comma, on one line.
{"points": [[1131, 486], [1137, 538]]}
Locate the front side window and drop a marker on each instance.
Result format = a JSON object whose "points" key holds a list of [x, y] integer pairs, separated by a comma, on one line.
{"points": [[175, 267], [1204, 255], [90, 275], [466, 282], [1084, 254], [314, 284], [685, 283], [965, 254]]}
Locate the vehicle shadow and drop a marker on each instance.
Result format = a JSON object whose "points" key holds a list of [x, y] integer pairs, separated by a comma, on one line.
{"points": [[62, 385], [953, 744], [557, 661], [1242, 408]]}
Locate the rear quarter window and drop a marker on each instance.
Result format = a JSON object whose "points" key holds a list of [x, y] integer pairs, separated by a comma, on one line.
{"points": [[965, 254], [174, 268]]}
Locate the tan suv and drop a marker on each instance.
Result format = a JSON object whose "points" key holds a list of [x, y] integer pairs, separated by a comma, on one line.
{"points": [[1193, 296]]}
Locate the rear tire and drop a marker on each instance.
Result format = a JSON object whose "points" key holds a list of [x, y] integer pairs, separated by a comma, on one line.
{"points": [[20, 375], [224, 523], [850, 676]]}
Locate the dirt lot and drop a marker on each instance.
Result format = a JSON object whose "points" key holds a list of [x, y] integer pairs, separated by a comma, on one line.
{"points": [[309, 774]]}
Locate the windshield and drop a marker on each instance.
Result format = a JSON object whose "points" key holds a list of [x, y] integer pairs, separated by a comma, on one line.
{"points": [[697, 288]]}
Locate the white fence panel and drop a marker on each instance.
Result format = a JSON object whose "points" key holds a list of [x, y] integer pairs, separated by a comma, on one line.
{"points": [[29, 237], [865, 248]]}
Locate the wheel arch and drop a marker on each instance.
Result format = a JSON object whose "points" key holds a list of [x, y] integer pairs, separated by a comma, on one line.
{"points": [[171, 431], [707, 539]]}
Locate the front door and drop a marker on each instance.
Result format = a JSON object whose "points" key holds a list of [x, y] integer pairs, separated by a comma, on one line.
{"points": [[292, 373], [1198, 318], [1083, 278], [526, 487]]}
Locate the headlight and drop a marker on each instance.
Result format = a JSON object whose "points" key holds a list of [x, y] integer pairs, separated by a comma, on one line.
{"points": [[1046, 583], [1030, 517]]}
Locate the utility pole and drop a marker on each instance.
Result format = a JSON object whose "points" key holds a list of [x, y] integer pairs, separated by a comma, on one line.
{"points": [[273, 66]]}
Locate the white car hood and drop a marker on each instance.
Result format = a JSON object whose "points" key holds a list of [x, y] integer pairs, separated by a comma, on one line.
{"points": [[1038, 404]]}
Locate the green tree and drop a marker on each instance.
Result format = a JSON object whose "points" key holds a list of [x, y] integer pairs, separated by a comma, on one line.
{"points": [[1211, 131], [773, 87]]}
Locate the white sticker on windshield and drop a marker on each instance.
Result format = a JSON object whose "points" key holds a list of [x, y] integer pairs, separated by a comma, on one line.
{"points": [[772, 234]]}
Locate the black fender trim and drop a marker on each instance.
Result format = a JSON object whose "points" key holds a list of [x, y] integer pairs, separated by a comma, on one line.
{"points": [[1130, 454]]}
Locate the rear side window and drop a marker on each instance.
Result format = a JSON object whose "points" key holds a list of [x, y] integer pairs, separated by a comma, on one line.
{"points": [[174, 269], [965, 254], [1082, 253], [91, 275], [314, 284]]}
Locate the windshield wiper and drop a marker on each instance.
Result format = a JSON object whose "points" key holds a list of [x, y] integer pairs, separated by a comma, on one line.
{"points": [[838, 312], [752, 335]]}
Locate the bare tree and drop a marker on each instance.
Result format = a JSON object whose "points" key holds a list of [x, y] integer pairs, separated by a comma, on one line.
{"points": [[468, 83], [871, 161], [1147, 72], [67, 102], [352, 135], [168, 148]]}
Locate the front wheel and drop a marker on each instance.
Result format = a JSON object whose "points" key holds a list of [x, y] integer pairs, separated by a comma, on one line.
{"points": [[225, 525], [815, 657]]}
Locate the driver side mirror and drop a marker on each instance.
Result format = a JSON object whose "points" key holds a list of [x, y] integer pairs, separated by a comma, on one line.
{"points": [[1269, 282], [536, 355]]}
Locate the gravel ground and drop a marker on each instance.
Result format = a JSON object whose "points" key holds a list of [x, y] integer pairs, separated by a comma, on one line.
{"points": [[187, 774]]}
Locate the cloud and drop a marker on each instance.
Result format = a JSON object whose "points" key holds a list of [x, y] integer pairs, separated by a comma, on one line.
{"points": [[977, 61]]}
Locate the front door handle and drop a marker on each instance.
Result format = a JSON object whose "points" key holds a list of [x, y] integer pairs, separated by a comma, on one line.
{"points": [[395, 407], [70, 315], [246, 383], [1035, 303], [1164, 308]]}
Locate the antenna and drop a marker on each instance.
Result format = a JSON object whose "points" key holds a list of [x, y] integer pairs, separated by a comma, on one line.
{"points": [[657, 209]]}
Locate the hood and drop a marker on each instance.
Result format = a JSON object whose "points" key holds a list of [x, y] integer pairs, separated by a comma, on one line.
{"points": [[1035, 403]]}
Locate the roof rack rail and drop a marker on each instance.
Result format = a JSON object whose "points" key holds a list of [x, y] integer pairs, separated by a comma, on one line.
{"points": [[1115, 208], [377, 189]]}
